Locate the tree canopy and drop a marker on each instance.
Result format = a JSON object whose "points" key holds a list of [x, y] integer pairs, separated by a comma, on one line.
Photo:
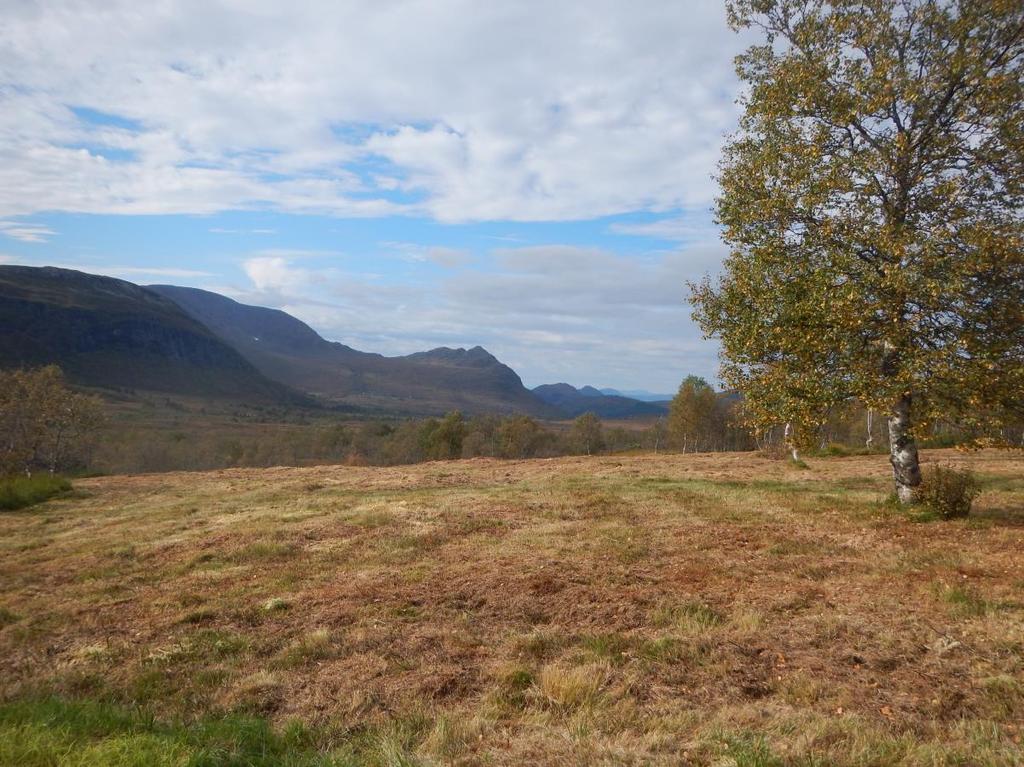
{"points": [[872, 202], [43, 423], [695, 419], [587, 433]]}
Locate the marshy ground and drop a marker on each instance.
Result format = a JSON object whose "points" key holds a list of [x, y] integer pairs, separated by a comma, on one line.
{"points": [[709, 609]]}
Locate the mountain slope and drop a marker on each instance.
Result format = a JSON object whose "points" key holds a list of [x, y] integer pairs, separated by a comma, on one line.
{"points": [[287, 350], [573, 402], [110, 333]]}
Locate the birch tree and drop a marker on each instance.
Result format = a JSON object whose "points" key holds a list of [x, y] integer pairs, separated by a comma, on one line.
{"points": [[872, 203], [587, 433], [43, 423], [694, 418]]}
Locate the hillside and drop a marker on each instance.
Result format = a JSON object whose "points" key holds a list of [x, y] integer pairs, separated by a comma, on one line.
{"points": [[656, 610], [287, 350], [110, 333], [587, 399]]}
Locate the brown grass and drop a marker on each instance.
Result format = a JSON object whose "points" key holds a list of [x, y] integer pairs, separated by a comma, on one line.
{"points": [[640, 610]]}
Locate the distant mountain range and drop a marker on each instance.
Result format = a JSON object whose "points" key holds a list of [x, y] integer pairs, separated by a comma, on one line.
{"points": [[109, 333], [640, 394], [587, 399], [288, 350]]}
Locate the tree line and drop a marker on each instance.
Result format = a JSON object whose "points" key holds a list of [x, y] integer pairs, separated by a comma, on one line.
{"points": [[45, 426]]}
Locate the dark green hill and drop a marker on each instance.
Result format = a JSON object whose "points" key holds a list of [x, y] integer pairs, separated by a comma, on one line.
{"points": [[109, 333]]}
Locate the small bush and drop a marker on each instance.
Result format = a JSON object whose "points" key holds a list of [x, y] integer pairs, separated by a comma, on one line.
{"points": [[947, 491], [19, 492]]}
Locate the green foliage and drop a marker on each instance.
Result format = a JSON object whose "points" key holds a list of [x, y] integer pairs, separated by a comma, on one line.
{"points": [[871, 201], [442, 440], [519, 437], [587, 434], [19, 492], [947, 491], [695, 418]]}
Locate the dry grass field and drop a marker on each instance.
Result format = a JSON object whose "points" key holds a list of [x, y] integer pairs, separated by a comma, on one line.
{"points": [[710, 610]]}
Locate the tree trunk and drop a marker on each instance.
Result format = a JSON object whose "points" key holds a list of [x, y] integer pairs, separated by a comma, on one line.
{"points": [[787, 436], [906, 470], [870, 441]]}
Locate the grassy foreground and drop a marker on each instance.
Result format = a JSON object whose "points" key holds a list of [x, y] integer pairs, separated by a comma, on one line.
{"points": [[725, 610]]}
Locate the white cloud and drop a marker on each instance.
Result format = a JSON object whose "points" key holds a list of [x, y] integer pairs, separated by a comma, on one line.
{"points": [[551, 312], [678, 228], [443, 256], [455, 109], [448, 257], [26, 232], [275, 275]]}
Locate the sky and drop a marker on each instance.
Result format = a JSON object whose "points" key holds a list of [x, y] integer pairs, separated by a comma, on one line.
{"points": [[532, 177]]}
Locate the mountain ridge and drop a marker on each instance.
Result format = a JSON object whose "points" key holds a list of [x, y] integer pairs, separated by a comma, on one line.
{"points": [[111, 333], [288, 350], [575, 402], [638, 394]]}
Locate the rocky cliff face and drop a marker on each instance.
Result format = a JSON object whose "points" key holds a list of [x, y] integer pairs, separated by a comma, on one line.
{"points": [[110, 333]]}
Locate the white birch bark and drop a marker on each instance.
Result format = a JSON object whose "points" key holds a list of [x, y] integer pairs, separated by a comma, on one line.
{"points": [[906, 469]]}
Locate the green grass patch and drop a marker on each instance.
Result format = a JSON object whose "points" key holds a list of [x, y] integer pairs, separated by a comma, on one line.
{"points": [[691, 617], [963, 601], [611, 647], [53, 731], [750, 750], [513, 686], [22, 492], [663, 650], [8, 617]]}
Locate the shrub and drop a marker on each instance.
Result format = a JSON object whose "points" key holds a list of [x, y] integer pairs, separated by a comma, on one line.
{"points": [[18, 492], [947, 491]]}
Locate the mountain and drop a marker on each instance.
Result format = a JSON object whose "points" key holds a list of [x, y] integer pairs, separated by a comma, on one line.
{"points": [[640, 394], [574, 402], [286, 349], [109, 333]]}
